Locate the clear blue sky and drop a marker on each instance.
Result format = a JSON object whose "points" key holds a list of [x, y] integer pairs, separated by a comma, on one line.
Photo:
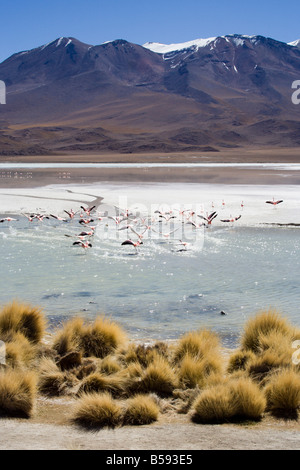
{"points": [[26, 24]]}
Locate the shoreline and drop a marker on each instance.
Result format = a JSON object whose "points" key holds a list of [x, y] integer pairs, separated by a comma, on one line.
{"points": [[245, 155]]}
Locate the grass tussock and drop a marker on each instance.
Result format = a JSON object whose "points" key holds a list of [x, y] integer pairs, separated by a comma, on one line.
{"points": [[232, 400], [261, 366], [99, 339], [17, 393], [144, 354], [94, 363], [20, 352], [97, 382], [54, 382], [18, 317], [141, 409], [283, 393], [265, 323], [159, 377], [239, 360], [197, 344], [95, 410], [194, 372]]}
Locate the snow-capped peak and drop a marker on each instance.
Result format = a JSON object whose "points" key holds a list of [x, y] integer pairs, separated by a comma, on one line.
{"points": [[237, 39], [166, 48], [295, 43]]}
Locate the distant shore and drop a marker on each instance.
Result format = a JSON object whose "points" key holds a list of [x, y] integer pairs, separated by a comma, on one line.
{"points": [[20, 178]]}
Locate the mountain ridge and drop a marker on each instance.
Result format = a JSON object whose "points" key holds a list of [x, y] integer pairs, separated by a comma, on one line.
{"points": [[207, 94]]}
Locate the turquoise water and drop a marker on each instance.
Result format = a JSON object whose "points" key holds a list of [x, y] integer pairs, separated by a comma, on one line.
{"points": [[158, 292]]}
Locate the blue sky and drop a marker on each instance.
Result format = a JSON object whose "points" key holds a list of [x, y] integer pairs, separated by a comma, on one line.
{"points": [[26, 24]]}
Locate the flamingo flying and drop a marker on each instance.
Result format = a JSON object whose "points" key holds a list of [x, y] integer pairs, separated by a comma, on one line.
{"points": [[88, 210], [62, 219], [232, 219], [209, 218], [273, 202], [135, 244], [7, 219], [83, 244]]}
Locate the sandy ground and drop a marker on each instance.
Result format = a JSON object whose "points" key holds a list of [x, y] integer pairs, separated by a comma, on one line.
{"points": [[51, 427]]}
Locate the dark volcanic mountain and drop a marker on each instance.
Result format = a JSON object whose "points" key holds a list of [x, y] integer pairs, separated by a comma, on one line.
{"points": [[225, 92]]}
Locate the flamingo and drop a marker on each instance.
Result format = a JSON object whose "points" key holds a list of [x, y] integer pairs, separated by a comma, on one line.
{"points": [[190, 222], [7, 219], [129, 227], [273, 202], [209, 218], [86, 221], [62, 219], [41, 217], [83, 244], [117, 220], [232, 219], [88, 210], [30, 217], [135, 244], [71, 213], [167, 217], [89, 234]]}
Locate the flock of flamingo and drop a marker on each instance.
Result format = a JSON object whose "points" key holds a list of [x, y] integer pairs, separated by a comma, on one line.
{"points": [[137, 225]]}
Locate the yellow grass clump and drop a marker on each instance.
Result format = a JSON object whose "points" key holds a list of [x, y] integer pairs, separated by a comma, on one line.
{"points": [[263, 324], [197, 344], [140, 410], [18, 317], [20, 352], [195, 372], [283, 391], [17, 393], [239, 360], [159, 377], [98, 382], [232, 400], [98, 410], [52, 381], [99, 339], [145, 354]]}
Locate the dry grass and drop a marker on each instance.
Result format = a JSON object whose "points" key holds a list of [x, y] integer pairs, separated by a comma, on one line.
{"points": [[283, 392], [248, 400], [99, 339], [239, 360], [20, 352], [98, 382], [18, 317], [197, 344], [195, 372], [17, 393], [145, 354], [52, 381], [260, 367], [233, 400], [213, 405], [94, 410], [265, 323], [140, 409], [159, 377], [109, 365]]}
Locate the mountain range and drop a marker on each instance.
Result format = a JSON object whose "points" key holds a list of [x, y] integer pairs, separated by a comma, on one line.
{"points": [[231, 91]]}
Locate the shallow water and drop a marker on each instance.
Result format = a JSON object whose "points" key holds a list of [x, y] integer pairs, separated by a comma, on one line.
{"points": [[159, 292]]}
